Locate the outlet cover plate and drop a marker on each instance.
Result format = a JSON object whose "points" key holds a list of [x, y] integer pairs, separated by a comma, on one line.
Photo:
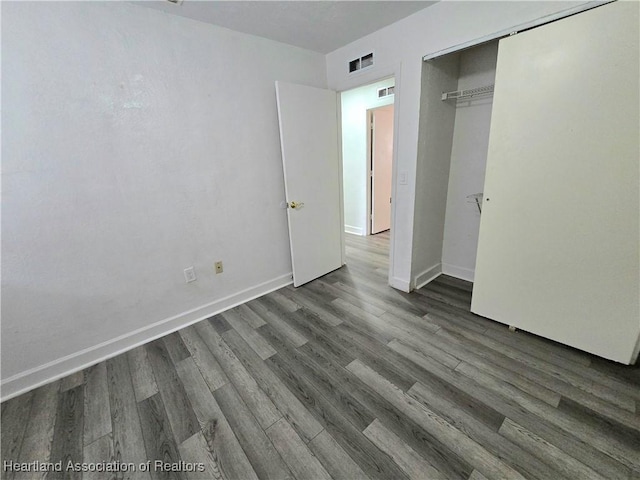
{"points": [[190, 275]]}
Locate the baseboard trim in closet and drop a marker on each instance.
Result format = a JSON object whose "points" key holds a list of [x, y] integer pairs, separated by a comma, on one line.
{"points": [[430, 274]]}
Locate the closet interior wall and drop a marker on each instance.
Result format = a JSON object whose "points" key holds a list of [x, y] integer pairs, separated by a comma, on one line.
{"points": [[452, 155], [435, 137], [468, 162]]}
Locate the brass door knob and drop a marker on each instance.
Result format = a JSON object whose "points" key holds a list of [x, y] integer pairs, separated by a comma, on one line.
{"points": [[296, 205]]}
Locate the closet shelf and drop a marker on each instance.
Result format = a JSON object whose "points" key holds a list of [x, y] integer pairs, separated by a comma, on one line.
{"points": [[467, 94]]}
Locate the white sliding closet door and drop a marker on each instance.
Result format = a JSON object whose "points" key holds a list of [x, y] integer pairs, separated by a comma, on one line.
{"points": [[559, 243]]}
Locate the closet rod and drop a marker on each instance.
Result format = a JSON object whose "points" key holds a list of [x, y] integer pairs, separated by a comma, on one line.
{"points": [[470, 93]]}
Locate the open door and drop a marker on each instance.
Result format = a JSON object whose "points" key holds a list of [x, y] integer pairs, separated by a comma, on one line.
{"points": [[381, 163], [309, 141]]}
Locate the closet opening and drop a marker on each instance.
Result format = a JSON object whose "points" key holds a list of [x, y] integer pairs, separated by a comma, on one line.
{"points": [[455, 117]]}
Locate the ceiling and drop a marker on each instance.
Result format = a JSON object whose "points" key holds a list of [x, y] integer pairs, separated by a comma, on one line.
{"points": [[321, 26]]}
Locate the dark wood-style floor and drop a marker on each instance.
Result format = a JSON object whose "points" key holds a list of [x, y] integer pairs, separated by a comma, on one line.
{"points": [[342, 378]]}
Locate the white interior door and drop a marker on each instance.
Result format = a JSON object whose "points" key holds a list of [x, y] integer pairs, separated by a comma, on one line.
{"points": [[309, 141], [382, 157], [558, 247]]}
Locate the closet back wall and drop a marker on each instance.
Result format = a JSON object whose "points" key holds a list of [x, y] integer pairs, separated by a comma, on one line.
{"points": [[468, 162], [135, 144]]}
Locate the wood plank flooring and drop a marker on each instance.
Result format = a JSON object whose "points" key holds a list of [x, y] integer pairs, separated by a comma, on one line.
{"points": [[343, 378]]}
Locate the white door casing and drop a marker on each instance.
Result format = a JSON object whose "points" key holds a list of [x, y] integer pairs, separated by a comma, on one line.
{"points": [[309, 142]]}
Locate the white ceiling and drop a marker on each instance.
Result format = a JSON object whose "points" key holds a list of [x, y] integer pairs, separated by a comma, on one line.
{"points": [[321, 26]]}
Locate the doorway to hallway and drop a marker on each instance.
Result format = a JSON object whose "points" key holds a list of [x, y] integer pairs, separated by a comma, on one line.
{"points": [[367, 131]]}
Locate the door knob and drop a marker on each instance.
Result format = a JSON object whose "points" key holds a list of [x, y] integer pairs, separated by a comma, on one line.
{"points": [[296, 205]]}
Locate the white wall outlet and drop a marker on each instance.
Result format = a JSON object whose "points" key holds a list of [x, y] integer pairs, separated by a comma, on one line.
{"points": [[218, 267], [190, 275], [403, 178]]}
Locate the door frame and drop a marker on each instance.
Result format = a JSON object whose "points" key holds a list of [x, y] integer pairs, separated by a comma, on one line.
{"points": [[361, 79], [369, 173]]}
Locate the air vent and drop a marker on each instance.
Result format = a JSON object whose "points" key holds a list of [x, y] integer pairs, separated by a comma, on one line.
{"points": [[361, 63], [385, 92]]}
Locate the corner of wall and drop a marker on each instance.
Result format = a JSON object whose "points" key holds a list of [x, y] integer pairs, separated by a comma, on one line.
{"points": [[458, 272], [400, 284], [427, 275]]}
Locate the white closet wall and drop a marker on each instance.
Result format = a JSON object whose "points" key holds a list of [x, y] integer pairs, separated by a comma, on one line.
{"points": [[437, 119], [452, 154], [468, 162]]}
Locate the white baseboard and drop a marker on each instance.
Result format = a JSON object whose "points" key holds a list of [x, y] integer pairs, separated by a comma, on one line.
{"points": [[354, 230], [400, 284], [425, 277], [49, 372], [458, 272]]}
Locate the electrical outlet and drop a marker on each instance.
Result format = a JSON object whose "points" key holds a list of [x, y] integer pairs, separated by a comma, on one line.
{"points": [[190, 275], [218, 267]]}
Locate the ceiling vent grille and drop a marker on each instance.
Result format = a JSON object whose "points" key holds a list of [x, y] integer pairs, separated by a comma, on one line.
{"points": [[386, 91], [360, 63]]}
